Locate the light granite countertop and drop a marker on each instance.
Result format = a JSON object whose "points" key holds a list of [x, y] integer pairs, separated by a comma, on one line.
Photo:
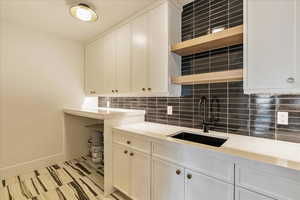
{"points": [[102, 113], [279, 153]]}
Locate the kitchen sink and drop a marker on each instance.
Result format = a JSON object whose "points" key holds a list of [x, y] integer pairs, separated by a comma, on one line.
{"points": [[202, 139]]}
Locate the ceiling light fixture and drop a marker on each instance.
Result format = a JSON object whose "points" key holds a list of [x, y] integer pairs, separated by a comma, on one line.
{"points": [[84, 13]]}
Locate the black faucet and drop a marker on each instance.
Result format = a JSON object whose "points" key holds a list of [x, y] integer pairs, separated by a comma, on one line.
{"points": [[206, 122]]}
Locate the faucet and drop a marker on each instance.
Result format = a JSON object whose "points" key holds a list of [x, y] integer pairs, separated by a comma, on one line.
{"points": [[205, 123]]}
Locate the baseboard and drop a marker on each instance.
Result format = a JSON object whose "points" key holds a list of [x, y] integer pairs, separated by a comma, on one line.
{"points": [[27, 167]]}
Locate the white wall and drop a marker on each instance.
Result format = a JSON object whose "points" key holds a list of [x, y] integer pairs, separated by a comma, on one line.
{"points": [[40, 74]]}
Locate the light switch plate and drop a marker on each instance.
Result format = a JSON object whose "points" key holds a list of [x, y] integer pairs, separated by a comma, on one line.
{"points": [[170, 110], [283, 118]]}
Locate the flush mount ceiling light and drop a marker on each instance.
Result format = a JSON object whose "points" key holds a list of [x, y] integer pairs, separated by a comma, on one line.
{"points": [[84, 13]]}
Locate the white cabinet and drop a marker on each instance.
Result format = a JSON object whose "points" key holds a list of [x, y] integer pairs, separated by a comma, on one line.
{"points": [[93, 72], [139, 71], [123, 61], [152, 62], [100, 66], [276, 182], [131, 172], [158, 49], [171, 181], [272, 46], [140, 176], [199, 185], [108, 63], [135, 59], [121, 168], [242, 194], [167, 181]]}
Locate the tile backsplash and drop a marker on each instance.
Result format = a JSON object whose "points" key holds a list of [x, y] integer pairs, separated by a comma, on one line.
{"points": [[233, 111]]}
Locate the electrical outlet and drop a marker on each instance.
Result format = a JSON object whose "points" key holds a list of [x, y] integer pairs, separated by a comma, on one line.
{"points": [[283, 118], [170, 110]]}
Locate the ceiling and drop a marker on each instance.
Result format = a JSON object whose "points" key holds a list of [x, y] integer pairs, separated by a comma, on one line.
{"points": [[53, 15]]}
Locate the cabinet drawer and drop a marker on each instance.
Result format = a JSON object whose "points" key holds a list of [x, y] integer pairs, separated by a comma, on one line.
{"points": [[204, 161], [278, 183], [132, 141], [242, 194]]}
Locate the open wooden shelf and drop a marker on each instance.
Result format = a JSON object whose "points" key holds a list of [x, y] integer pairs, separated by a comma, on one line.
{"points": [[227, 37], [212, 77]]}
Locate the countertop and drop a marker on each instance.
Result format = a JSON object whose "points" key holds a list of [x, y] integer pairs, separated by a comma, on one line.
{"points": [[103, 113], [279, 153]]}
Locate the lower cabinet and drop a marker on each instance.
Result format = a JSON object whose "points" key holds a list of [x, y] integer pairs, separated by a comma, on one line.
{"points": [[199, 185], [242, 194], [174, 182], [131, 172], [167, 181], [140, 176], [121, 168]]}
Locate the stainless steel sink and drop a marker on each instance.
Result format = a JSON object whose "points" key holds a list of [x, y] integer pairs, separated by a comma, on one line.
{"points": [[202, 139]]}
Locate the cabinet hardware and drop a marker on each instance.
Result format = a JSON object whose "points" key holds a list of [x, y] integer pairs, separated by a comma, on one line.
{"points": [[92, 92], [290, 80], [117, 90], [113, 91], [125, 151], [189, 176], [131, 154], [144, 89], [149, 89], [178, 172], [128, 142]]}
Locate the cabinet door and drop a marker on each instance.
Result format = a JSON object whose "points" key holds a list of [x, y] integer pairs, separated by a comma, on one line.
{"points": [[271, 28], [123, 61], [140, 176], [121, 168], [93, 71], [139, 53], [199, 185], [242, 194], [108, 63], [158, 49], [167, 181]]}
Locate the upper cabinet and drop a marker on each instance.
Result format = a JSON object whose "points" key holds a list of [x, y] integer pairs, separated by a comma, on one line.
{"points": [[272, 46], [123, 61], [136, 59], [139, 63]]}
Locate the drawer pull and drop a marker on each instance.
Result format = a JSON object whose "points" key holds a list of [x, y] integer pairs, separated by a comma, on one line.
{"points": [[144, 89], [178, 172], [189, 176], [290, 80], [117, 91], [128, 142], [149, 89], [131, 154], [125, 151], [113, 91]]}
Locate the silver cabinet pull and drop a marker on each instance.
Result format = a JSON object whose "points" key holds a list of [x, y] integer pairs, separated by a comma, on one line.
{"points": [[290, 80]]}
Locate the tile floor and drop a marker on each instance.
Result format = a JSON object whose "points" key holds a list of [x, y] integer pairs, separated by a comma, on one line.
{"points": [[79, 179]]}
